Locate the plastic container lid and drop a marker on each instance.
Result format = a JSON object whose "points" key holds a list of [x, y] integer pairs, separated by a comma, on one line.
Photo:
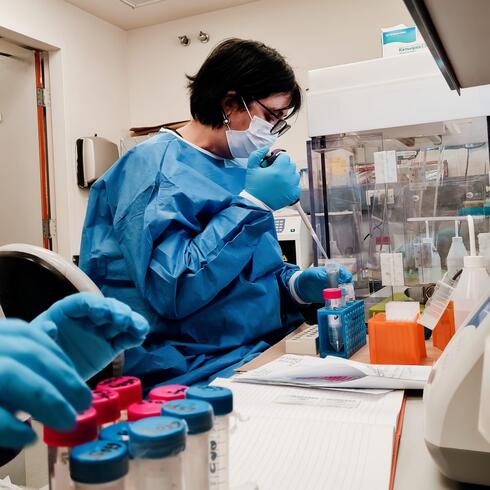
{"points": [[156, 437], [143, 409], [221, 399], [117, 432], [332, 293], [99, 462], [197, 414], [167, 393], [106, 404], [85, 431], [128, 388]]}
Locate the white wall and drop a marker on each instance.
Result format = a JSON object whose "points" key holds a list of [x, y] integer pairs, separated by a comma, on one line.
{"points": [[310, 33], [89, 91], [20, 194]]}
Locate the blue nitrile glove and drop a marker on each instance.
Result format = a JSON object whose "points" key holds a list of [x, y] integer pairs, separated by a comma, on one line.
{"points": [[93, 330], [310, 283], [36, 377], [276, 186]]}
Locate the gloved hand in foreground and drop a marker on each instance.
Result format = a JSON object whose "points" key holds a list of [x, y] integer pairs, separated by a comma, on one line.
{"points": [[277, 186], [310, 283], [36, 377], [93, 330]]}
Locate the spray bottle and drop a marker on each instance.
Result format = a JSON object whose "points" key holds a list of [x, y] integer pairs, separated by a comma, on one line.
{"points": [[473, 284]]}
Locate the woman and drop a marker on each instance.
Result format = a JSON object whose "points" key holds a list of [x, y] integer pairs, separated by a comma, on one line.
{"points": [[181, 229]]}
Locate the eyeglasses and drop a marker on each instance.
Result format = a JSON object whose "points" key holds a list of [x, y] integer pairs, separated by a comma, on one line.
{"points": [[281, 126]]}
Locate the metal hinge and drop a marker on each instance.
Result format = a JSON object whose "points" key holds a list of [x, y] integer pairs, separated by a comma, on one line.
{"points": [[49, 228], [43, 97]]}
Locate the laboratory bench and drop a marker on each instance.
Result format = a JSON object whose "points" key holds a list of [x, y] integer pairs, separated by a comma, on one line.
{"points": [[415, 467]]}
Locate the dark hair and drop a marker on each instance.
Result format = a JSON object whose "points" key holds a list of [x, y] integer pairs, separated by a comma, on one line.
{"points": [[249, 68]]}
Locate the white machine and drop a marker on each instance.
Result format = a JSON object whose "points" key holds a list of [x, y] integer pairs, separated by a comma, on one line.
{"points": [[457, 402], [294, 238]]}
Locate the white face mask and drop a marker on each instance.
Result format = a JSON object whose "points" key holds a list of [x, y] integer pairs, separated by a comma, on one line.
{"points": [[258, 135]]}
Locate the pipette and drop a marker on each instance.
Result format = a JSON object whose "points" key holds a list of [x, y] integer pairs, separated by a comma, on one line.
{"points": [[268, 161]]}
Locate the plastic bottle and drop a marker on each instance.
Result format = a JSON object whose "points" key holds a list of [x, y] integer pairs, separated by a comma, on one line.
{"points": [[198, 416], [99, 465], [473, 286], [332, 323], [221, 399], [156, 445], [143, 409], [106, 404], [484, 248], [455, 256], [127, 387], [61, 443], [430, 268], [167, 393], [351, 293]]}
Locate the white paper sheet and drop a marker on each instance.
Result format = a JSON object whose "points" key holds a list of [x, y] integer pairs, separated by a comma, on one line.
{"points": [[336, 372], [300, 438]]}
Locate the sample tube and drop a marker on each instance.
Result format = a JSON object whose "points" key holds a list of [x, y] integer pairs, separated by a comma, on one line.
{"points": [[332, 269], [106, 404], [143, 409], [60, 444], [333, 301], [120, 433], [221, 399], [127, 387], [167, 393], [156, 445], [199, 418], [99, 465]]}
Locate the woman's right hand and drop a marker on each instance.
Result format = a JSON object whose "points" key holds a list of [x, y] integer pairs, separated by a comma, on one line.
{"points": [[277, 186], [36, 377]]}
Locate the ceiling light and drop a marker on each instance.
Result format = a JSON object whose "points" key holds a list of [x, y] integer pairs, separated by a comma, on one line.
{"points": [[140, 3]]}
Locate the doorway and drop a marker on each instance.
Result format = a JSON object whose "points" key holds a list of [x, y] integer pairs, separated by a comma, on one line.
{"points": [[25, 211]]}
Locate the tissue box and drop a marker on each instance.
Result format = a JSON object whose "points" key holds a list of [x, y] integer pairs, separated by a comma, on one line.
{"points": [[401, 39]]}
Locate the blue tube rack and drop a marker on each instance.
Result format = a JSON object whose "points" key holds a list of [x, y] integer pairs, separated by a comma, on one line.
{"points": [[353, 329]]}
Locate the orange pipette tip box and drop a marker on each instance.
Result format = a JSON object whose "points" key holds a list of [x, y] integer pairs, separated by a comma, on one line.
{"points": [[395, 342]]}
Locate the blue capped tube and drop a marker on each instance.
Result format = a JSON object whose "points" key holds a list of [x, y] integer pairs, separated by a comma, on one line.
{"points": [[99, 465], [156, 445], [221, 399], [198, 416]]}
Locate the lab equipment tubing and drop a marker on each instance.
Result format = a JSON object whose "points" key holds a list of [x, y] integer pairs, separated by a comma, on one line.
{"points": [[99, 465], [60, 445], [156, 444], [221, 399], [198, 416], [127, 387]]}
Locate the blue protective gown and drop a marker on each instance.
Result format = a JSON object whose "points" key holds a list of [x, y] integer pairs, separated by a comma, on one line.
{"points": [[167, 233]]}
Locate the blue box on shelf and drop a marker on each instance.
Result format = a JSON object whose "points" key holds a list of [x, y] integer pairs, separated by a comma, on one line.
{"points": [[352, 330]]}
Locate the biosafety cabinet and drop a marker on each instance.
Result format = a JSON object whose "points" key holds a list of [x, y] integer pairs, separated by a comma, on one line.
{"points": [[395, 162]]}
